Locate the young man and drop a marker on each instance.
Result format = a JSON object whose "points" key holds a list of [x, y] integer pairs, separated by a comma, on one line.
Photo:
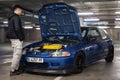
{"points": [[16, 36]]}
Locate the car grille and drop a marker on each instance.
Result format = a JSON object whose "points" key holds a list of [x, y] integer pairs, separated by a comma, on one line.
{"points": [[37, 65]]}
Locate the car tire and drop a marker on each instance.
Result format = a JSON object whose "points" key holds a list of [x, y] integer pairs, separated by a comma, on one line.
{"points": [[21, 65], [110, 55], [78, 62]]}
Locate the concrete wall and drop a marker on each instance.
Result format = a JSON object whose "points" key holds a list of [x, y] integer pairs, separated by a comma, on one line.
{"points": [[114, 33], [30, 35]]}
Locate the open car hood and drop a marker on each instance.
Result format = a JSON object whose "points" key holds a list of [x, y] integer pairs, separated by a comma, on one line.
{"points": [[59, 19]]}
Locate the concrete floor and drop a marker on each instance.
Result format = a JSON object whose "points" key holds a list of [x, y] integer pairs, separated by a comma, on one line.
{"points": [[99, 70]]}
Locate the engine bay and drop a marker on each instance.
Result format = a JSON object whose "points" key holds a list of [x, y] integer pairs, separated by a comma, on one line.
{"points": [[55, 43], [48, 47]]}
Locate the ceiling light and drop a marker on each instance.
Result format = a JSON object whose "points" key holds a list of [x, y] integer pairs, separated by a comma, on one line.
{"points": [[92, 19], [117, 18], [85, 13], [118, 12], [5, 22], [27, 22], [37, 28], [28, 27], [103, 27], [117, 27], [36, 16]]}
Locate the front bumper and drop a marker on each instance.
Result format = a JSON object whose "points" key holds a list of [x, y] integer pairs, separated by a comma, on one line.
{"points": [[50, 71], [50, 65]]}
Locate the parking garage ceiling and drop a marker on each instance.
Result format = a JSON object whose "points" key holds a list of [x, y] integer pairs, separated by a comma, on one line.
{"points": [[106, 11]]}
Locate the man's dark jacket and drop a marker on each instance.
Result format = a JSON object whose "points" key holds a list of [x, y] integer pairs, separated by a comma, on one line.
{"points": [[15, 30]]}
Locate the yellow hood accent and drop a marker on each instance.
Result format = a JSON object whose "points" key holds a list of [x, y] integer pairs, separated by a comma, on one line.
{"points": [[52, 46]]}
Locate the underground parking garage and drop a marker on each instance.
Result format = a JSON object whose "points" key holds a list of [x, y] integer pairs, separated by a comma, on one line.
{"points": [[56, 37]]}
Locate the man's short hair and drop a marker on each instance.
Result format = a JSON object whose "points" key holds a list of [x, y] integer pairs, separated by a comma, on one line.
{"points": [[15, 7]]}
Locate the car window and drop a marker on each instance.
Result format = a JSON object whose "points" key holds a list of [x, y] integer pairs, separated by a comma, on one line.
{"points": [[103, 33], [94, 33]]}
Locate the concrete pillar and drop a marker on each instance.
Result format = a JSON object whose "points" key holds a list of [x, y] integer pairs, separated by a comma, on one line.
{"points": [[2, 35]]}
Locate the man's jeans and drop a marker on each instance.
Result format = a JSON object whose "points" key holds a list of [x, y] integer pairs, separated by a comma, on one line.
{"points": [[17, 53]]}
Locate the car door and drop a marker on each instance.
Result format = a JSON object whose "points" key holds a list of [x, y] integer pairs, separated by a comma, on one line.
{"points": [[104, 42], [94, 47]]}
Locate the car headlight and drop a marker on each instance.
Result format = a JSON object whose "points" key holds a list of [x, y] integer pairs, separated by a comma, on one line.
{"points": [[60, 54]]}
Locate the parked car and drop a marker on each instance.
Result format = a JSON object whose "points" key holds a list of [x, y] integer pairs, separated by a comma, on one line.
{"points": [[65, 47]]}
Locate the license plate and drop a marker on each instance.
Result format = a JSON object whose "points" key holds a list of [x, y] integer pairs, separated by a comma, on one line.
{"points": [[35, 60]]}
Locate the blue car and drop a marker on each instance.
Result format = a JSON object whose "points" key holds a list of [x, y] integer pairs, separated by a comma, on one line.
{"points": [[65, 47]]}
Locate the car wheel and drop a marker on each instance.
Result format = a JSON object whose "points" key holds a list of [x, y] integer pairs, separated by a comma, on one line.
{"points": [[110, 55], [21, 65], [78, 64]]}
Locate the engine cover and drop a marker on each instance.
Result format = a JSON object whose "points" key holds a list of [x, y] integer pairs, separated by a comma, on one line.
{"points": [[52, 46]]}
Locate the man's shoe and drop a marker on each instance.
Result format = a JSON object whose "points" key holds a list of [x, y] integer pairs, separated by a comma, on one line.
{"points": [[16, 72]]}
